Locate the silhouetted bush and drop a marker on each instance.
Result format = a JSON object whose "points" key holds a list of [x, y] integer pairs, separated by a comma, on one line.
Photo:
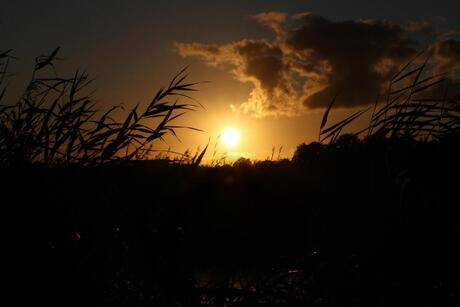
{"points": [[242, 163], [309, 154]]}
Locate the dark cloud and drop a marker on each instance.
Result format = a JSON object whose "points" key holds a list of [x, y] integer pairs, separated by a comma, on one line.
{"points": [[256, 61], [448, 52], [447, 58], [262, 61], [360, 56], [312, 58], [272, 20]]}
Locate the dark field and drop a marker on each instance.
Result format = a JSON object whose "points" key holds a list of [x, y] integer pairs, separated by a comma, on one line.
{"points": [[372, 223]]}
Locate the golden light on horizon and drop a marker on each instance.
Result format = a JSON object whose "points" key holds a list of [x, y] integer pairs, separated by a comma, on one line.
{"points": [[230, 137]]}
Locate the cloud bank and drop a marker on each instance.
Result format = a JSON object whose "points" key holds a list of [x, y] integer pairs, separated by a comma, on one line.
{"points": [[311, 59]]}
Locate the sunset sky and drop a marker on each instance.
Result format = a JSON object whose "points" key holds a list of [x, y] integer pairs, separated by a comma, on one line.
{"points": [[272, 65]]}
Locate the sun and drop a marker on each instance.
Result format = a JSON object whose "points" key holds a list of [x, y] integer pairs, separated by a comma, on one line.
{"points": [[230, 137]]}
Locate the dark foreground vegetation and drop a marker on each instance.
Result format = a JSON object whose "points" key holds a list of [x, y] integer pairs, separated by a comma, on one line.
{"points": [[371, 221]]}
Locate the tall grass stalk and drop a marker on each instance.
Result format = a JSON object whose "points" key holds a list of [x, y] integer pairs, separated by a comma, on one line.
{"points": [[412, 109], [54, 122]]}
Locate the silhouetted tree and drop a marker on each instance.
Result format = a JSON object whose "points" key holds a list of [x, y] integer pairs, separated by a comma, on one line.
{"points": [[242, 163], [307, 154], [347, 140]]}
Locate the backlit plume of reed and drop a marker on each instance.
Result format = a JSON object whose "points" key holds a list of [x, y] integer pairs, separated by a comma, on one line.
{"points": [[55, 122], [416, 106]]}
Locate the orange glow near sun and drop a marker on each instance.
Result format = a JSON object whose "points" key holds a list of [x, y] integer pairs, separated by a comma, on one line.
{"points": [[230, 137]]}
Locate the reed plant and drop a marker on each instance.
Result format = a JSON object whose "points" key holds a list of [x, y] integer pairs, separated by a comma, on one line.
{"points": [[56, 122], [416, 106]]}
